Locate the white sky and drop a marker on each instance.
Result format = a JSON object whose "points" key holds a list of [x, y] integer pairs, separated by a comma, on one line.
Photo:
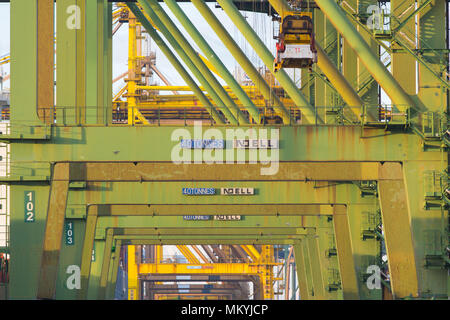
{"points": [[4, 35]]}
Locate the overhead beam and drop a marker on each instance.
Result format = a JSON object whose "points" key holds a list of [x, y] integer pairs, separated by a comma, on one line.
{"points": [[180, 233], [194, 278], [210, 209], [204, 268], [288, 171], [241, 240]]}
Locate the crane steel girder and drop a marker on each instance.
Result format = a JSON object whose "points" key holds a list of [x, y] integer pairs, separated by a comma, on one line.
{"points": [[325, 158], [141, 235], [384, 171]]}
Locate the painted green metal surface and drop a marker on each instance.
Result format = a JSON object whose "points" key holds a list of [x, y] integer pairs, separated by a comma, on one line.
{"points": [[372, 63], [32, 160]]}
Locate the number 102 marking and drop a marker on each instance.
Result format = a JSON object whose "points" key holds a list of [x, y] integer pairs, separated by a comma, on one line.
{"points": [[29, 206]]}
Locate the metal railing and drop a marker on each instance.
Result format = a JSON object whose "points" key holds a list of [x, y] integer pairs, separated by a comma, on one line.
{"points": [[429, 123], [186, 116]]}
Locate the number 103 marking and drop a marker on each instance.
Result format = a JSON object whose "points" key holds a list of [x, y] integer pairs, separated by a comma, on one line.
{"points": [[29, 206], [69, 234]]}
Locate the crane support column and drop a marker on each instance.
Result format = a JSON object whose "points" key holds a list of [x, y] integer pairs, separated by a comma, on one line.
{"points": [[70, 64], [133, 275], [98, 258], [402, 60], [54, 231], [106, 264], [308, 271], [372, 63], [345, 254], [88, 246], [114, 268], [132, 94], [339, 82], [430, 89], [397, 230], [24, 71], [45, 55], [301, 271], [316, 266]]}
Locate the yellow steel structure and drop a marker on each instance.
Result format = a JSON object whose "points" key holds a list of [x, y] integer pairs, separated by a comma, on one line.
{"points": [[159, 254], [252, 252], [204, 268], [5, 60], [188, 254], [141, 107], [198, 251], [133, 282], [261, 267], [209, 65], [134, 70]]}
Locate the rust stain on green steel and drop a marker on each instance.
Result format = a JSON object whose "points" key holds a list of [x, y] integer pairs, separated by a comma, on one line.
{"points": [[153, 143], [53, 232], [329, 143], [398, 233], [308, 142], [209, 209], [151, 171]]}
